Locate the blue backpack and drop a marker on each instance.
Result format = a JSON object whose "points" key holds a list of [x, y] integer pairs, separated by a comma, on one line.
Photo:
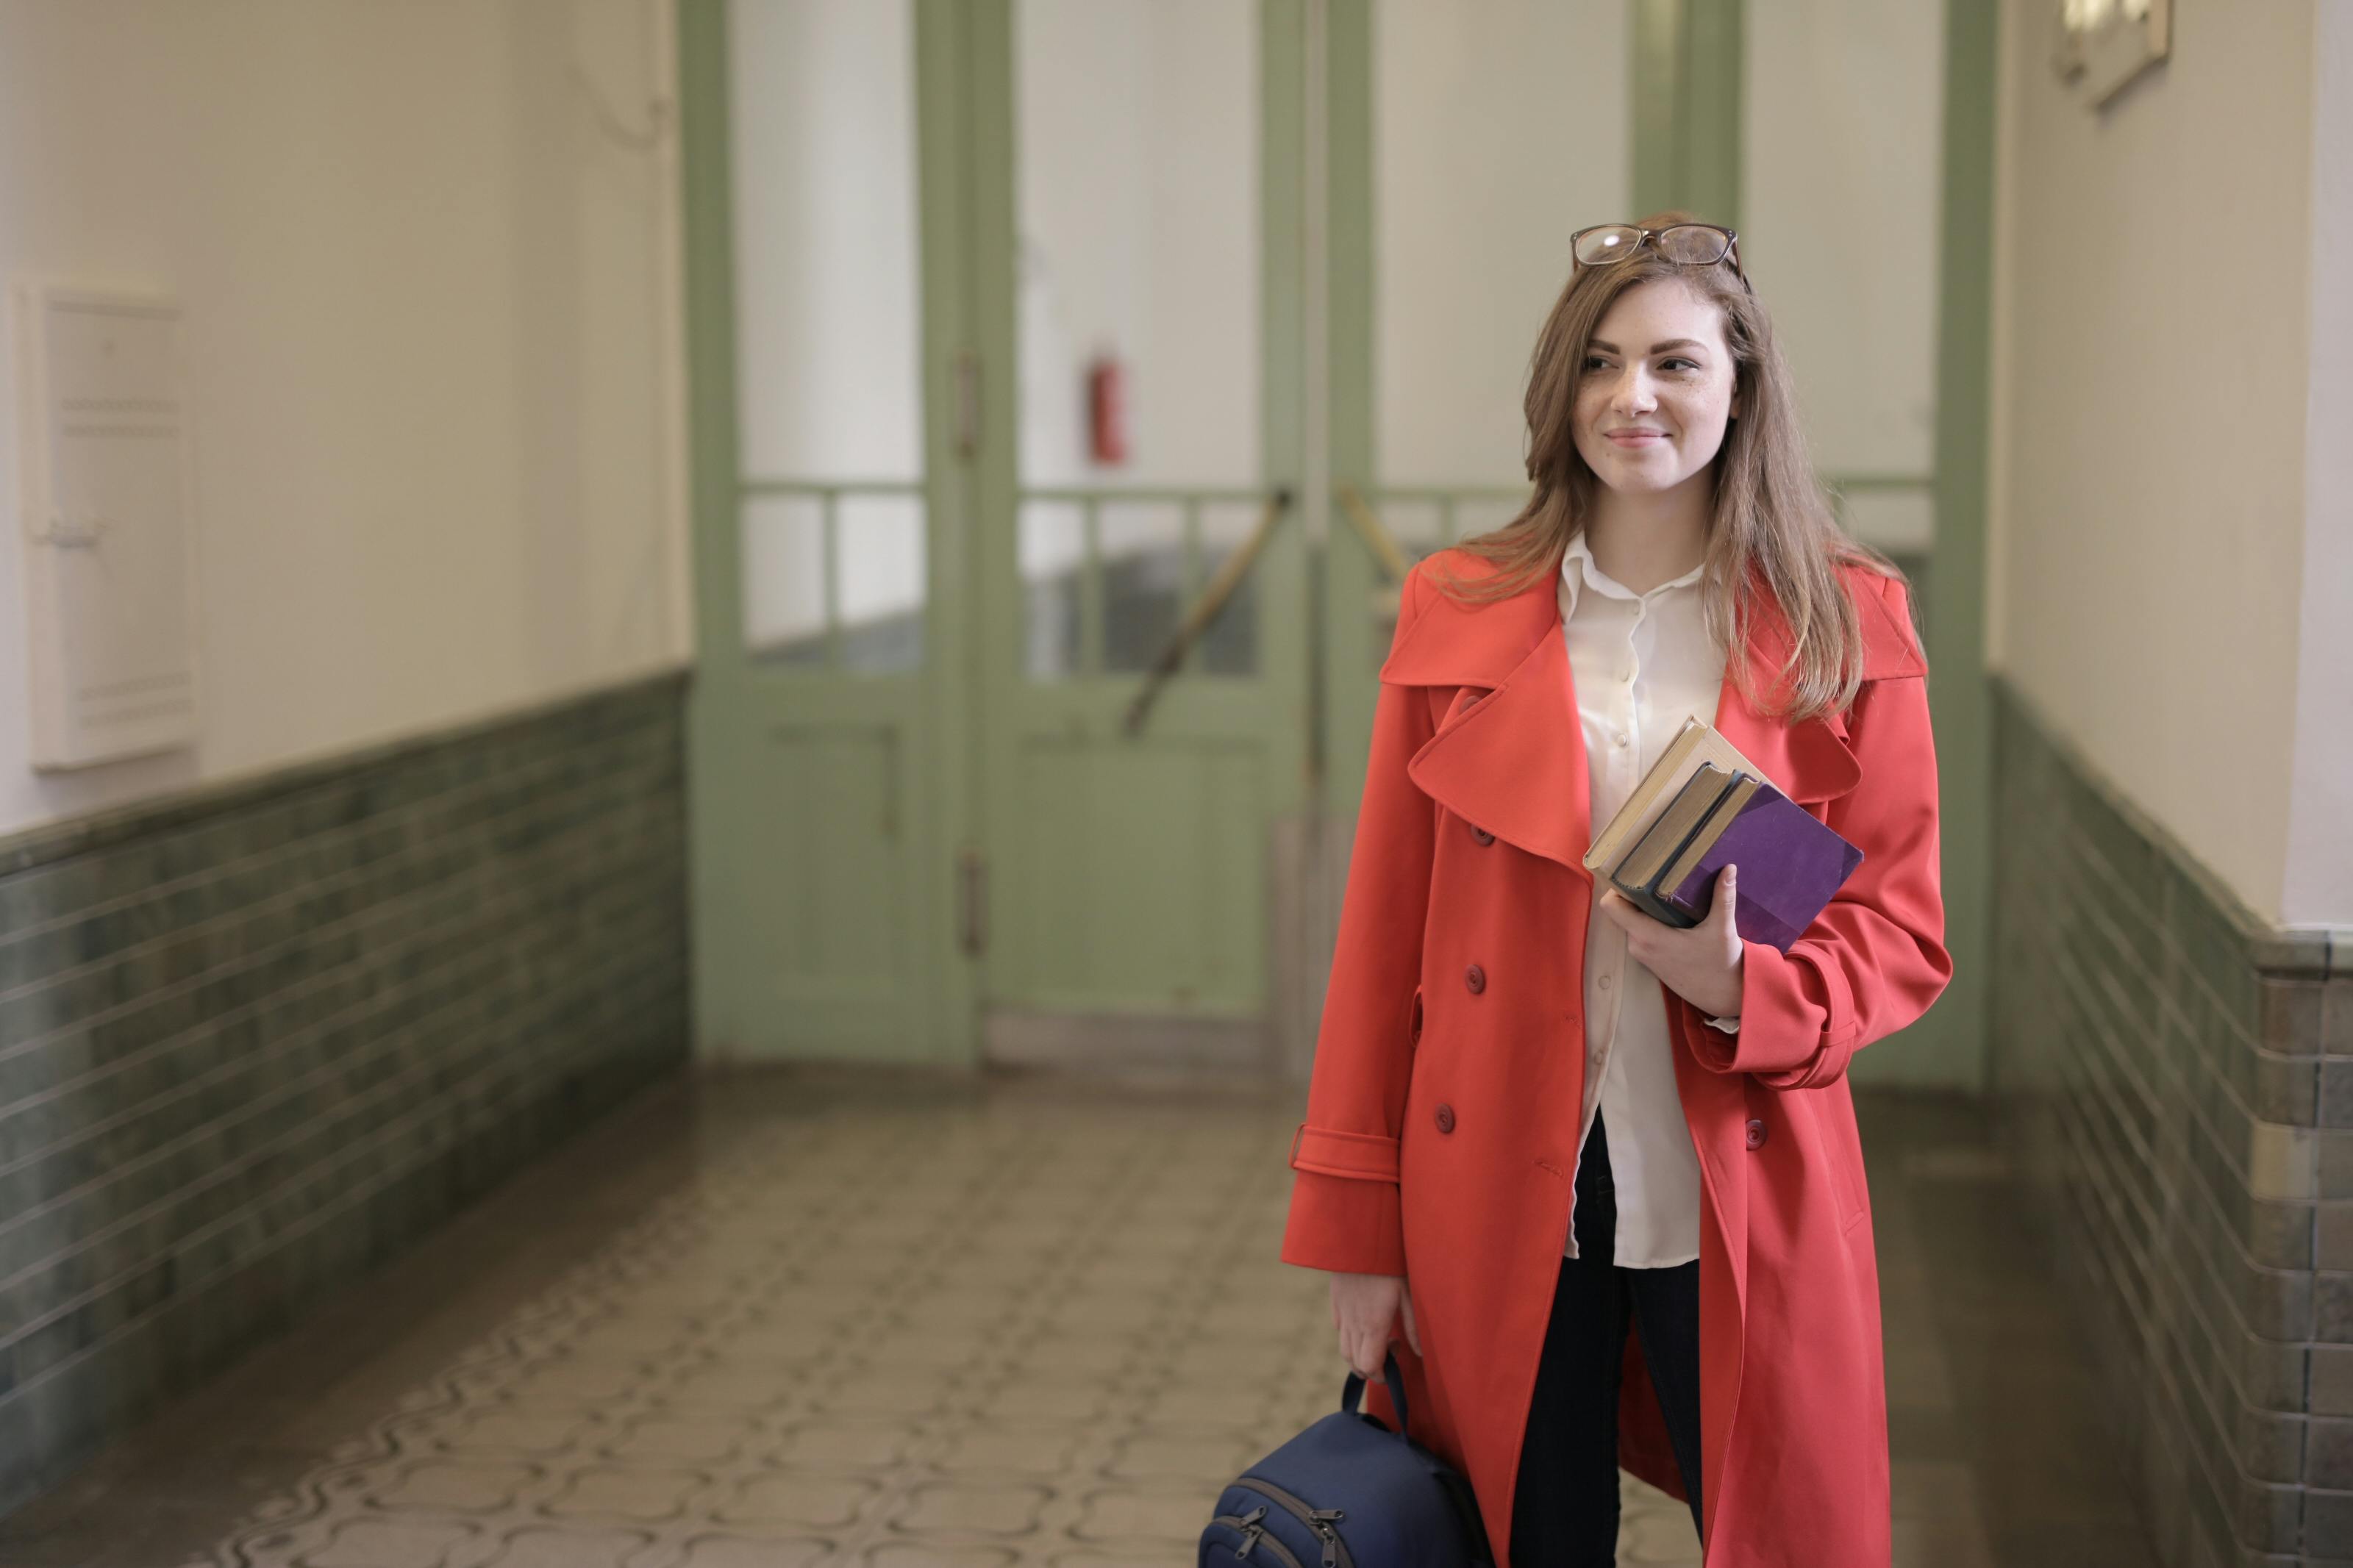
{"points": [[1349, 1493]]}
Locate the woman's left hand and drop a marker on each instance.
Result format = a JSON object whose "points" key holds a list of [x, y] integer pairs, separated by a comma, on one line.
{"points": [[1701, 964]]}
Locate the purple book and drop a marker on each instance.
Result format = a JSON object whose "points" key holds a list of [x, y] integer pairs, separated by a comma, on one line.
{"points": [[1790, 866]]}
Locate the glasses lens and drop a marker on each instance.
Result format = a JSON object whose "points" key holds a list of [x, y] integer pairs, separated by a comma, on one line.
{"points": [[1595, 246], [1693, 244]]}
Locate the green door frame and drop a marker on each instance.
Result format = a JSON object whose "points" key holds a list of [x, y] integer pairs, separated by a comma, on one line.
{"points": [[946, 137], [1687, 76], [1954, 1034], [1348, 576]]}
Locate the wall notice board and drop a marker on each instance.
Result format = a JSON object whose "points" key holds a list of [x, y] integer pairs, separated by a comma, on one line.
{"points": [[108, 525]]}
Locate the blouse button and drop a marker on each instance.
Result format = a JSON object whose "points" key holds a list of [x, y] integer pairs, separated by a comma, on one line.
{"points": [[1619, 737], [1475, 978], [1756, 1132], [1446, 1118], [1483, 835]]}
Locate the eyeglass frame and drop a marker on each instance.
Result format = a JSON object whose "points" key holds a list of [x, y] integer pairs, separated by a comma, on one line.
{"points": [[1649, 237]]}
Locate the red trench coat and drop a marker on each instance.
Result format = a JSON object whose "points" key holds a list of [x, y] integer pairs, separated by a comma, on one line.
{"points": [[1441, 1117]]}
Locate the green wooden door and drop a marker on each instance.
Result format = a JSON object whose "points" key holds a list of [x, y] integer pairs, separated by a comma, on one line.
{"points": [[1135, 171], [925, 600], [831, 435]]}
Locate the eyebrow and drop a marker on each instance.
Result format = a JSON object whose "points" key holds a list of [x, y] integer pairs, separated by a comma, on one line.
{"points": [[1655, 348]]}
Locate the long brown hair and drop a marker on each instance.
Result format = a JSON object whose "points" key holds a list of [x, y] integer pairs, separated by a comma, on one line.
{"points": [[1774, 530]]}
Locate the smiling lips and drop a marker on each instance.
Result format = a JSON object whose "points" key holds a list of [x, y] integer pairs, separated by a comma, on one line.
{"points": [[1637, 437]]}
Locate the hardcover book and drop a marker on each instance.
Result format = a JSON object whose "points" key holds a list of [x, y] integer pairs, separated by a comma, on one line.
{"points": [[1704, 807]]}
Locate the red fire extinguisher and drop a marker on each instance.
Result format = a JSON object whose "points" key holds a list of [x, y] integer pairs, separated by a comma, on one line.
{"points": [[1106, 410]]}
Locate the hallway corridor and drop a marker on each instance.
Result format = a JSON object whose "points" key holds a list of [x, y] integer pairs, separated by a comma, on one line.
{"points": [[807, 1318]]}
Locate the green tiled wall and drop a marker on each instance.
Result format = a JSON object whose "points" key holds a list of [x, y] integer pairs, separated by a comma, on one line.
{"points": [[255, 1039], [2175, 1077]]}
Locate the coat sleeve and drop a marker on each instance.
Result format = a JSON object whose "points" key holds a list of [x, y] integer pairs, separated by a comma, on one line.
{"points": [[1874, 958], [1343, 1195]]}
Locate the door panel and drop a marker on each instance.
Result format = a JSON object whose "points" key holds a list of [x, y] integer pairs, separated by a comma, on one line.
{"points": [[833, 794], [817, 850], [927, 594], [1133, 204], [1132, 879]]}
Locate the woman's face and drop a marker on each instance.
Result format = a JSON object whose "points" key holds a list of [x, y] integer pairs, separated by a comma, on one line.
{"points": [[1657, 388]]}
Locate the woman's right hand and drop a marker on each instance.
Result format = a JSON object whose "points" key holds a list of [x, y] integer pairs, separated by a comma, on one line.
{"points": [[1366, 1309]]}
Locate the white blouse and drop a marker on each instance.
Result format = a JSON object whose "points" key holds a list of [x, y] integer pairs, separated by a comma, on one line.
{"points": [[1643, 663]]}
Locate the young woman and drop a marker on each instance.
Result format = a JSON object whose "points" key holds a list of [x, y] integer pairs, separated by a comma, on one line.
{"points": [[1539, 1116]]}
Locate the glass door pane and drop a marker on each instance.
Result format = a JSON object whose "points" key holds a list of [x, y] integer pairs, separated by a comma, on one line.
{"points": [[1844, 111], [1498, 131], [1138, 312], [829, 325]]}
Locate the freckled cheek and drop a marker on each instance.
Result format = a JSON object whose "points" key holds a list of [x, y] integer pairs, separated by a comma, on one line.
{"points": [[1695, 416], [1590, 408]]}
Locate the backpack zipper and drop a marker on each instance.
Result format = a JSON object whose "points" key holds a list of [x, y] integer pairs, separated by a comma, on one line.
{"points": [[1252, 1533], [1321, 1520]]}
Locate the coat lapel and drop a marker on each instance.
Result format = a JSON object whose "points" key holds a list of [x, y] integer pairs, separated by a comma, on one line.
{"points": [[1810, 762], [1509, 754]]}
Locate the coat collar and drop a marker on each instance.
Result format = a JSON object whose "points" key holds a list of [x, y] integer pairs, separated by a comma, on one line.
{"points": [[1509, 754]]}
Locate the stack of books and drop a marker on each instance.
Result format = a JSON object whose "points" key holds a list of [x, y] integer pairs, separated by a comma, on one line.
{"points": [[1702, 807]]}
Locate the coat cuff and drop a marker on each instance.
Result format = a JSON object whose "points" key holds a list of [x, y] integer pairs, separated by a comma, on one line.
{"points": [[1796, 1019], [1345, 1216], [1367, 1156]]}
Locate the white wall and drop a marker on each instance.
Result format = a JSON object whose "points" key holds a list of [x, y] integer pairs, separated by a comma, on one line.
{"points": [[2152, 383], [2320, 883], [428, 286]]}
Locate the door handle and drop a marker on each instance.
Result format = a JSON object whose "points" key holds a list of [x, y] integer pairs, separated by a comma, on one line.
{"points": [[967, 404], [972, 902], [1213, 598], [1379, 539]]}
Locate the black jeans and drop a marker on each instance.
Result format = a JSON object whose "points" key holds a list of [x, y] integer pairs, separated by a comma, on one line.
{"points": [[1565, 1514]]}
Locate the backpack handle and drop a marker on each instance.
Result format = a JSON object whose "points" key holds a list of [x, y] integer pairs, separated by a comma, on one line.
{"points": [[1353, 1393]]}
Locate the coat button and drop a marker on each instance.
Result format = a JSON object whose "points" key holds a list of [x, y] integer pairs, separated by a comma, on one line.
{"points": [[1756, 1132], [1475, 978], [1483, 835], [1446, 1118]]}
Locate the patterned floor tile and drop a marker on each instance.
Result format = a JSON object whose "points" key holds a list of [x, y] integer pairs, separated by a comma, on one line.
{"points": [[824, 1443], [1025, 1448], [973, 1505], [863, 1328], [1134, 1516], [376, 1543], [783, 1497], [918, 1554], [743, 1551]]}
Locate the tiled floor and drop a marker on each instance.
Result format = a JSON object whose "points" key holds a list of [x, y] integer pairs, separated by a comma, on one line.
{"points": [[814, 1318]]}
